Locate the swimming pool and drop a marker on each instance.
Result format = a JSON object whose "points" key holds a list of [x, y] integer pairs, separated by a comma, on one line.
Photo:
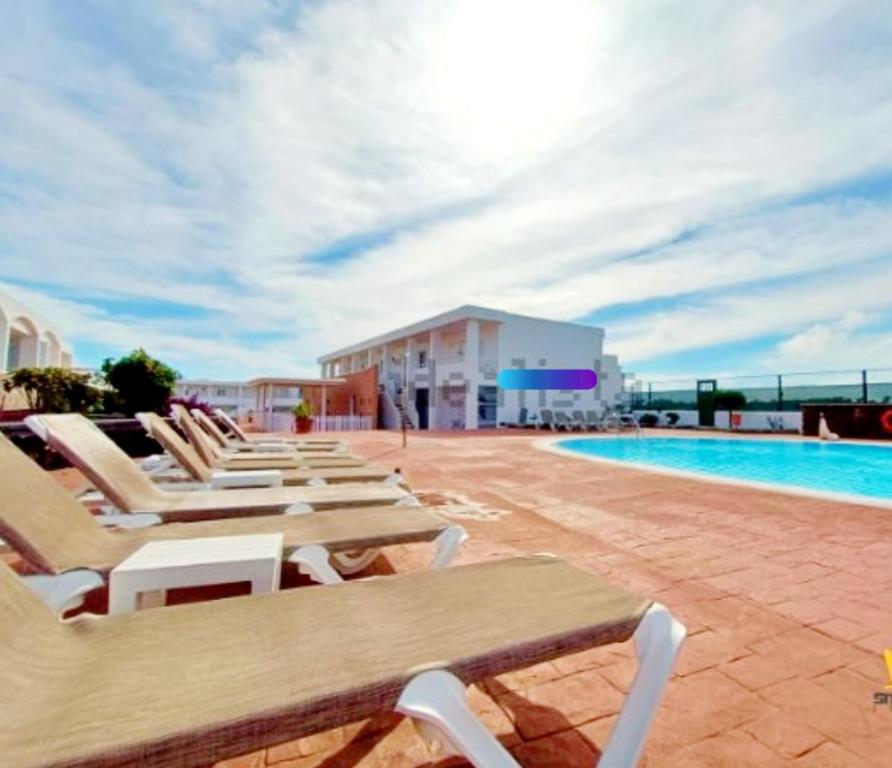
{"points": [[827, 468]]}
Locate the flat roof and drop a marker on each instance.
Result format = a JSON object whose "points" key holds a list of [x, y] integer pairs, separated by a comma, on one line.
{"points": [[464, 312], [278, 381]]}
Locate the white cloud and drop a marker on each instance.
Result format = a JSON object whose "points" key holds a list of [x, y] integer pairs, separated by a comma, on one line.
{"points": [[843, 342], [520, 155]]}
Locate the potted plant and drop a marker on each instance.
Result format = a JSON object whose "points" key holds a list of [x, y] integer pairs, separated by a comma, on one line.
{"points": [[303, 417]]}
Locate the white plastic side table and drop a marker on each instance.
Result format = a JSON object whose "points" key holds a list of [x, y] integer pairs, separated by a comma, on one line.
{"points": [[161, 565]]}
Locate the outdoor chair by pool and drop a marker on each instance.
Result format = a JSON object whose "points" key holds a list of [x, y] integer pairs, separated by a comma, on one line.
{"points": [[193, 684], [594, 421], [229, 444], [546, 419], [217, 457], [36, 510], [113, 473], [562, 421], [198, 469], [580, 419], [237, 433]]}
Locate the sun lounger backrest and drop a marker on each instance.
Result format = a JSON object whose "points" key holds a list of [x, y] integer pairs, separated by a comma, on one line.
{"points": [[96, 455], [199, 440], [578, 415], [41, 520], [547, 416], [232, 424], [209, 426], [187, 457]]}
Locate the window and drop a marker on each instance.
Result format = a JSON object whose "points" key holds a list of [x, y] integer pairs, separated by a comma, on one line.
{"points": [[422, 358], [221, 392]]}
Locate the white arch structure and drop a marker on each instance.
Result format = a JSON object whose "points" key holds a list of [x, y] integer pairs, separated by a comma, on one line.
{"points": [[28, 340]]}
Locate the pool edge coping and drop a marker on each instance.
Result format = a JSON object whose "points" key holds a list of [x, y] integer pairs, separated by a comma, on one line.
{"points": [[549, 444]]}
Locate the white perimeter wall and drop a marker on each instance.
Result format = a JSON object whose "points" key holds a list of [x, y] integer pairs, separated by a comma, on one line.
{"points": [[755, 420]]}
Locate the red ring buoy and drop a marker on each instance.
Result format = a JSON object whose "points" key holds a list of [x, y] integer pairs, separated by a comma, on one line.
{"points": [[886, 420]]}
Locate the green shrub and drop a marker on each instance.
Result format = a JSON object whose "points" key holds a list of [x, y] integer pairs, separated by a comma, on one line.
{"points": [[303, 410], [648, 420], [672, 417], [54, 390], [140, 383]]}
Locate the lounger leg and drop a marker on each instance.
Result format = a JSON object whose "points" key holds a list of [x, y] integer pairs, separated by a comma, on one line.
{"points": [[312, 561], [347, 563], [658, 640], [437, 704], [448, 543]]}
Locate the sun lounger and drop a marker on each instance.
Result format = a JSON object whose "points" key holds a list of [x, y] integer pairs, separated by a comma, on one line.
{"points": [[238, 433], [194, 684], [580, 420], [114, 474], [216, 457], [562, 421], [228, 444], [594, 421], [36, 509], [190, 460], [546, 419]]}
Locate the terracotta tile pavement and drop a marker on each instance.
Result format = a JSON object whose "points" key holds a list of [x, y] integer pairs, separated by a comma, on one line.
{"points": [[787, 600]]}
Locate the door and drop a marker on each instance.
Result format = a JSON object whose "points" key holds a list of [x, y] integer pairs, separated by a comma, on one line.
{"points": [[706, 402], [421, 404]]}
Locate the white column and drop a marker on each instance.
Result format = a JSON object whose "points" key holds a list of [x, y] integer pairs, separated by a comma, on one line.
{"points": [[4, 344], [432, 382], [411, 360], [472, 371]]}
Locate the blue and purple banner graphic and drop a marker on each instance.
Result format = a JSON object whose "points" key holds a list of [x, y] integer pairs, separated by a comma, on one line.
{"points": [[547, 378]]}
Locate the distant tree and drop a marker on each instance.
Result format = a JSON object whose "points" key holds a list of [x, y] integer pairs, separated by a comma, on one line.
{"points": [[54, 390], [730, 400], [140, 383]]}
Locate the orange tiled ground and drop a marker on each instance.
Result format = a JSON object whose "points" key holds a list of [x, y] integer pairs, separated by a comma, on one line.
{"points": [[787, 600]]}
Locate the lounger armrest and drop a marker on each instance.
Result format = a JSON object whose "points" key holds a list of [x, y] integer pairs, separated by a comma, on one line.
{"points": [[156, 463], [65, 591], [137, 520], [182, 485], [269, 447], [249, 478]]}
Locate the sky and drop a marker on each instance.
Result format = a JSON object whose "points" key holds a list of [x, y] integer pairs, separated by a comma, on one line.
{"points": [[240, 187]]}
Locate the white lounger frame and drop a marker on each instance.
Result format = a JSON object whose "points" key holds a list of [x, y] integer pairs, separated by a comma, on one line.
{"points": [[436, 702]]}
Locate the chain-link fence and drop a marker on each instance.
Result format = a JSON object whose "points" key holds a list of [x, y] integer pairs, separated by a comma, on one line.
{"points": [[774, 392]]}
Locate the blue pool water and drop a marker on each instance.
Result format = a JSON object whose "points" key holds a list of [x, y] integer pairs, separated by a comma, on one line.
{"points": [[859, 470]]}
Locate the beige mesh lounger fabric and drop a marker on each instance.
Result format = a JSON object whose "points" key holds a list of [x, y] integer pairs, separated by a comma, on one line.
{"points": [[214, 456], [193, 684], [113, 473], [35, 510], [193, 462]]}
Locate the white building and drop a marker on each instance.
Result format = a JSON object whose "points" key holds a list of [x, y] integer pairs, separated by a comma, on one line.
{"points": [[234, 397], [448, 366], [27, 340]]}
